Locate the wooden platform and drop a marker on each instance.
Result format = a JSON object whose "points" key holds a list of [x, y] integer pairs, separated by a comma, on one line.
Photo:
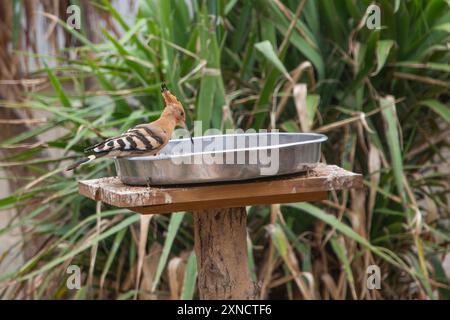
{"points": [[219, 215], [311, 186]]}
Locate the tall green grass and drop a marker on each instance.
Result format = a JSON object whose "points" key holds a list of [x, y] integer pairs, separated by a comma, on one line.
{"points": [[380, 95]]}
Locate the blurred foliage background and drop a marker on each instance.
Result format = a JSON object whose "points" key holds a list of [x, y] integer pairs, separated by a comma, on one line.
{"points": [[381, 96]]}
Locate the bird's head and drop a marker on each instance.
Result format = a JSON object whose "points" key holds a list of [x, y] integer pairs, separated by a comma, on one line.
{"points": [[173, 108]]}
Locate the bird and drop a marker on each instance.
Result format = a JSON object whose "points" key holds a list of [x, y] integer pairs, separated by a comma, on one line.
{"points": [[143, 139]]}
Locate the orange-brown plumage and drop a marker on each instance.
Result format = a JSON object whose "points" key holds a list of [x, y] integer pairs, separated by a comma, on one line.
{"points": [[143, 139]]}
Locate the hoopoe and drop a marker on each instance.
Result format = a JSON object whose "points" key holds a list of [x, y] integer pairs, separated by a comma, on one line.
{"points": [[144, 139]]}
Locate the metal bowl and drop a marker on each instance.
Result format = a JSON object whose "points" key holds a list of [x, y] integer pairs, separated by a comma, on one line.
{"points": [[223, 158]]}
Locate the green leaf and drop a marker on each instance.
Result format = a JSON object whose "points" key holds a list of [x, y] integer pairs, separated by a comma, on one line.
{"points": [[127, 295], [382, 52], [312, 103], [53, 263], [396, 6], [428, 66], [74, 33], [251, 260], [174, 225], [190, 277], [439, 108], [266, 48], [229, 6], [212, 93], [112, 254], [58, 87], [443, 27], [346, 230], [279, 240], [136, 68], [116, 15], [440, 234], [205, 101], [441, 276], [340, 252], [308, 48], [389, 114]]}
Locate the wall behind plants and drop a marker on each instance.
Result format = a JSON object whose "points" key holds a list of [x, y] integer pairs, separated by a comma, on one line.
{"points": [[381, 95]]}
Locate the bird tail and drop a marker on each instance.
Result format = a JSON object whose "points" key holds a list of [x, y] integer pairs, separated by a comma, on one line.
{"points": [[83, 160]]}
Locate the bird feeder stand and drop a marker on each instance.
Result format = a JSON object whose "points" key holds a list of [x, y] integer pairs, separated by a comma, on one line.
{"points": [[220, 216]]}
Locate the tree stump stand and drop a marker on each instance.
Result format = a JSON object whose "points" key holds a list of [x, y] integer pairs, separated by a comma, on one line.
{"points": [[220, 218]]}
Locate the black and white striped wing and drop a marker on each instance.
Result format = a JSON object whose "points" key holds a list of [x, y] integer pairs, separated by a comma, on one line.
{"points": [[137, 140]]}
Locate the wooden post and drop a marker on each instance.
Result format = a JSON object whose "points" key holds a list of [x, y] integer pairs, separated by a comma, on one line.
{"points": [[221, 249]]}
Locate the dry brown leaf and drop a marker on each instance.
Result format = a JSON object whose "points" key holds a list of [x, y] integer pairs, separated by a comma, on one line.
{"points": [[300, 94], [143, 236], [175, 270], [305, 287], [149, 267], [295, 74], [330, 286], [357, 213]]}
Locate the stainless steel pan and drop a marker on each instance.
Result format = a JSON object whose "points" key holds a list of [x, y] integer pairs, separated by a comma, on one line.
{"points": [[223, 158]]}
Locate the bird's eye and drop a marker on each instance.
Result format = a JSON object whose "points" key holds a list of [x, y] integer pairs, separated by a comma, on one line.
{"points": [[182, 113]]}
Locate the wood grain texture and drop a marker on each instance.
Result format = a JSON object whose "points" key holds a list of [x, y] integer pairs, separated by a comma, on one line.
{"points": [[309, 186], [231, 203], [221, 249]]}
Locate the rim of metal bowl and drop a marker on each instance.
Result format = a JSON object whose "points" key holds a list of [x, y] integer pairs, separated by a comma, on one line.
{"points": [[319, 139]]}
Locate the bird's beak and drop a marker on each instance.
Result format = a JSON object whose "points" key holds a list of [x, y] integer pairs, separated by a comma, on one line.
{"points": [[184, 126]]}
